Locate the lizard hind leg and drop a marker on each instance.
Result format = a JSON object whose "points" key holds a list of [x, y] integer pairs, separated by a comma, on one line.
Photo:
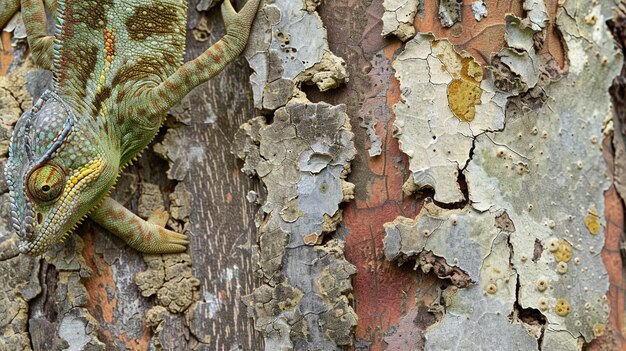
{"points": [[204, 67], [143, 236]]}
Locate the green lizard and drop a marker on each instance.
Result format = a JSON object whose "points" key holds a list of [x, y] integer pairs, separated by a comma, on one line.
{"points": [[118, 68]]}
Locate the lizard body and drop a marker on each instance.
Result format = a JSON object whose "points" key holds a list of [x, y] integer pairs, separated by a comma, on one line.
{"points": [[118, 68]]}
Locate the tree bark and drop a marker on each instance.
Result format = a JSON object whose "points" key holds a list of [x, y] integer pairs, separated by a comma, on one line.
{"points": [[354, 190]]}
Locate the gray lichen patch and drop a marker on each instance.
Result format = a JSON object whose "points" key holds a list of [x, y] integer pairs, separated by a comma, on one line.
{"points": [[520, 57], [519, 35], [178, 153], [478, 253], [537, 14], [164, 324], [335, 285], [67, 256], [171, 279], [76, 328], [302, 158], [475, 319], [464, 246], [155, 317], [479, 9], [318, 316], [14, 100], [547, 192], [150, 200], [375, 110], [532, 234], [327, 74], [449, 12], [21, 284], [398, 18], [274, 311], [180, 203], [446, 102], [288, 46]]}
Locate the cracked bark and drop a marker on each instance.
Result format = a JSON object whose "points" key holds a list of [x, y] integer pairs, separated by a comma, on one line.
{"points": [[347, 251]]}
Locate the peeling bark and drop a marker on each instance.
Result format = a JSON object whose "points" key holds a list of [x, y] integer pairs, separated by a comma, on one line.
{"points": [[481, 194], [513, 168], [302, 159]]}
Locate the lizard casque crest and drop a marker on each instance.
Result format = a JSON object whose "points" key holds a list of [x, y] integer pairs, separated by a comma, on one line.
{"points": [[118, 68]]}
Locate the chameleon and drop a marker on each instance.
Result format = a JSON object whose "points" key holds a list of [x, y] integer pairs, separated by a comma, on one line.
{"points": [[117, 70]]}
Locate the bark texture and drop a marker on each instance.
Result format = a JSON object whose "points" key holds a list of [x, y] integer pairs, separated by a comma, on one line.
{"points": [[410, 173]]}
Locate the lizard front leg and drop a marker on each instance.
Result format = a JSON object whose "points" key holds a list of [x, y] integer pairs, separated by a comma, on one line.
{"points": [[137, 233], [193, 73], [41, 44]]}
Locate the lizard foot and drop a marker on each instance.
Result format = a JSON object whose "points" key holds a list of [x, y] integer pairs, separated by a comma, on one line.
{"points": [[155, 238], [161, 240], [144, 236], [237, 23]]}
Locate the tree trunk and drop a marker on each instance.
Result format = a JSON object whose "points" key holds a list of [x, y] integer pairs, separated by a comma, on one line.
{"points": [[455, 182]]}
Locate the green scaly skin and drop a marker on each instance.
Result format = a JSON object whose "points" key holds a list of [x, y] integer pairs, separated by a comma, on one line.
{"points": [[118, 68]]}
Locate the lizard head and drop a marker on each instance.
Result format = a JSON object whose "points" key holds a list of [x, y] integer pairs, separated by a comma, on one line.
{"points": [[58, 170]]}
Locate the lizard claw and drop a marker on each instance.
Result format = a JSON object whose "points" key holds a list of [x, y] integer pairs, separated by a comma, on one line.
{"points": [[163, 240], [167, 242], [228, 11]]}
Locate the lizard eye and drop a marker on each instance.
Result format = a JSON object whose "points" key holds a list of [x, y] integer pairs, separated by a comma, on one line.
{"points": [[46, 183]]}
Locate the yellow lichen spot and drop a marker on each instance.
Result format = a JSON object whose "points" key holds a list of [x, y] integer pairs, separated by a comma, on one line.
{"points": [[312, 239], [592, 220], [471, 70], [463, 97], [464, 90], [562, 307], [564, 252], [598, 329]]}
